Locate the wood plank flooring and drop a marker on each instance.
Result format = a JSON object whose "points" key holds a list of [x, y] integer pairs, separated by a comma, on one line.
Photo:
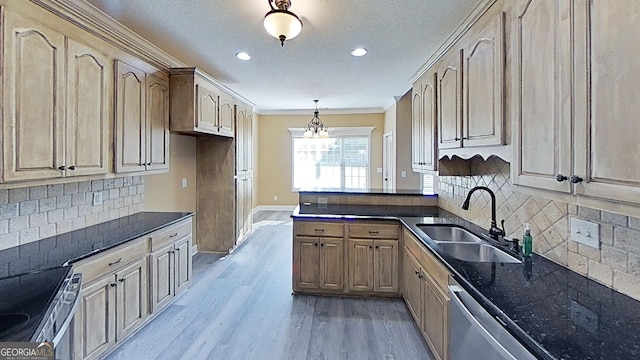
{"points": [[240, 307]]}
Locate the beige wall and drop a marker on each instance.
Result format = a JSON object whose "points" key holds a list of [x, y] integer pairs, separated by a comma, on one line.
{"points": [[164, 192], [274, 152], [403, 145]]}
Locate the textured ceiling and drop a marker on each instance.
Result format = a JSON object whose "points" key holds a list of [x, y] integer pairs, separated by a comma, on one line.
{"points": [[399, 35]]}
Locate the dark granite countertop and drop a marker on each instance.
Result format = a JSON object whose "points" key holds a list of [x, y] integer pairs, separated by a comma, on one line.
{"points": [[374, 191], [553, 311], [31, 274]]}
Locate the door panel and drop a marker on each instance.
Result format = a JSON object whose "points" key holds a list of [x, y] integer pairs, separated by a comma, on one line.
{"points": [[157, 150], [132, 298], [95, 319], [182, 264], [331, 264], [361, 265], [449, 104], [386, 266], [162, 278], [306, 262], [130, 119]]}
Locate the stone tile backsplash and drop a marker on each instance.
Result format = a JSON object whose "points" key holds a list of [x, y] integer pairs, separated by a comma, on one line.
{"points": [[33, 213], [616, 264]]}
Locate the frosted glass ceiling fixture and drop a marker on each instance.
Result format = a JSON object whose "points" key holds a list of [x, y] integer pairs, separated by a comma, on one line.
{"points": [[281, 23], [315, 128]]}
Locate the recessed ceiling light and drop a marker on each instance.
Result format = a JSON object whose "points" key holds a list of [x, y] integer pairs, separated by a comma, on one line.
{"points": [[243, 56], [359, 52]]}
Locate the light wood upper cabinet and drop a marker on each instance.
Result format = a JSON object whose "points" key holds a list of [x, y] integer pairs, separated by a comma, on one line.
{"points": [[199, 105], [541, 53], [450, 101], [416, 127], [56, 120], [142, 136], [424, 117], [483, 69]]}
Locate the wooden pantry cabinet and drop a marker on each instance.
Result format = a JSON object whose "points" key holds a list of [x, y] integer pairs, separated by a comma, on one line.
{"points": [[142, 119], [56, 115], [244, 171]]}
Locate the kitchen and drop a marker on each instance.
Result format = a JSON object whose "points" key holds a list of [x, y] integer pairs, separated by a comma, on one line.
{"points": [[546, 112]]}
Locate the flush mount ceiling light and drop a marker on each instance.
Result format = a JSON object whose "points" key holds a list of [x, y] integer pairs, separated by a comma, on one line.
{"points": [[281, 23], [315, 128], [243, 56], [359, 52]]}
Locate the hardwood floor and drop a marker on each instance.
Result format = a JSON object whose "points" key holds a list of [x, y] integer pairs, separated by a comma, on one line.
{"points": [[240, 307]]}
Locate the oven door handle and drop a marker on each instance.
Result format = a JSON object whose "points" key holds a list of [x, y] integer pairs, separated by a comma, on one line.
{"points": [[65, 325]]}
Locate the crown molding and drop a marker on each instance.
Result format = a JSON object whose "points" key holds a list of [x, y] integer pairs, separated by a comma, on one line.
{"points": [[309, 112], [464, 26]]}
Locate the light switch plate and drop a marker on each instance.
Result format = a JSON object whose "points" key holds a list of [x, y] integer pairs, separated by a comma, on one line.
{"points": [[403, 174], [184, 183], [379, 170], [585, 232]]}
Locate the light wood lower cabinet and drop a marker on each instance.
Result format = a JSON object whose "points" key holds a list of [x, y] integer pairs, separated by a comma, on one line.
{"points": [[373, 265], [131, 298], [425, 282], [170, 272], [318, 263]]}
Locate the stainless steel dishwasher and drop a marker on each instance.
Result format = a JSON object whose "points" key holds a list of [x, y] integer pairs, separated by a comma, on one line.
{"points": [[475, 334]]}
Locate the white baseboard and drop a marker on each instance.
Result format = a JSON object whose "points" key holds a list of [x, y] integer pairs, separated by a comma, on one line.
{"points": [[274, 208]]}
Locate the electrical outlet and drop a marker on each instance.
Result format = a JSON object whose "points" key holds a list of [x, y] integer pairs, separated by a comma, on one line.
{"points": [[184, 183], [403, 174], [379, 170], [585, 232], [97, 198], [275, 197]]}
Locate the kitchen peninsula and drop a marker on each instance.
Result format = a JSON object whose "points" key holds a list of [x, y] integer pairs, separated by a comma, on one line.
{"points": [[554, 312]]}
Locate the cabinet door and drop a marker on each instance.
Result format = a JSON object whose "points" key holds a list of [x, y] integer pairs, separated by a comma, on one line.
{"points": [[449, 102], [248, 141], [331, 264], [436, 319], [360, 265], [607, 83], [412, 292], [429, 121], [240, 218], [306, 255], [541, 53], [89, 78], [207, 101], [95, 319], [183, 266], [416, 127], [130, 119], [483, 86], [240, 140], [33, 100], [132, 292], [162, 278], [385, 264], [227, 116], [157, 122]]}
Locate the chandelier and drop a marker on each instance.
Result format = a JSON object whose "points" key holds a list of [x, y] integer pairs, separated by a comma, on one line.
{"points": [[315, 128], [281, 23]]}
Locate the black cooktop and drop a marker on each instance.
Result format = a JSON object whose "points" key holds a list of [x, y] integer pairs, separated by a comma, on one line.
{"points": [[24, 301]]}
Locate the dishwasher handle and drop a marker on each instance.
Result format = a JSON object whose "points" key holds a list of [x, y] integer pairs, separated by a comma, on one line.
{"points": [[472, 311]]}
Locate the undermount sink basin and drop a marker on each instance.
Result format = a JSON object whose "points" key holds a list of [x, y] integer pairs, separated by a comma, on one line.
{"points": [[448, 233], [477, 252]]}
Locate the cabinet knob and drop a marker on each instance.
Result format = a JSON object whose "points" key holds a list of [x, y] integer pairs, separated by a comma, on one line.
{"points": [[377, 247], [315, 244], [574, 179], [370, 247], [560, 178], [62, 167], [122, 280], [149, 164], [321, 244], [113, 284], [72, 167]]}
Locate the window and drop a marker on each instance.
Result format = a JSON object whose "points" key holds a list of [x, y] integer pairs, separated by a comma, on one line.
{"points": [[340, 161]]}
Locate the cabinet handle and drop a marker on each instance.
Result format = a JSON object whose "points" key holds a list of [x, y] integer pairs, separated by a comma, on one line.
{"points": [[321, 244], [373, 232], [115, 262], [560, 178], [113, 284], [319, 230], [122, 280], [417, 272], [62, 168], [315, 244], [174, 235], [377, 247], [370, 247], [457, 139], [148, 164], [173, 251], [574, 179], [72, 167]]}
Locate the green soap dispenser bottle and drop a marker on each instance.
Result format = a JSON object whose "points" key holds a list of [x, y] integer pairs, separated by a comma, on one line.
{"points": [[527, 241]]}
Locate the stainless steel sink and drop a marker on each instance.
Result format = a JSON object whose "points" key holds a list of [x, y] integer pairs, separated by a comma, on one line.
{"points": [[448, 233], [477, 252]]}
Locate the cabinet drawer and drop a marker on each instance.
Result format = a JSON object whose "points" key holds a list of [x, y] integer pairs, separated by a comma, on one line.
{"points": [[318, 228], [169, 234], [374, 231], [435, 270], [111, 260]]}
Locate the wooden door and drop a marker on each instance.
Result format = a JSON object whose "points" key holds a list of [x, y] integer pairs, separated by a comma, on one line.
{"points": [[95, 319], [207, 101], [607, 83], [429, 106], [162, 277], [130, 118], [385, 266], [436, 319], [306, 256], [449, 102], [227, 115], [416, 127], [483, 83], [331, 274], [360, 265], [89, 79], [183, 266], [541, 56], [33, 100], [412, 292], [131, 300], [157, 122]]}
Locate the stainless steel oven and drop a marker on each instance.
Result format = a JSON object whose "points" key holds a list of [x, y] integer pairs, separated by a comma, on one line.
{"points": [[58, 323]]}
